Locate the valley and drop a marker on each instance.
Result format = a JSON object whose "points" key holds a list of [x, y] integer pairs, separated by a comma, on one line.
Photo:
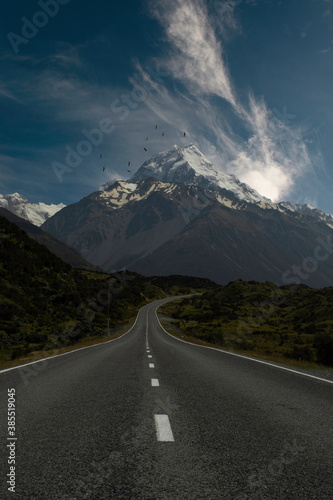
{"points": [[177, 226]]}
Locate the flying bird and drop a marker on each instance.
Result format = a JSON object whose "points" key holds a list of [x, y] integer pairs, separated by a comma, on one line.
{"points": [[129, 163], [184, 134], [128, 170], [155, 127], [145, 149], [100, 156], [103, 169], [162, 134], [147, 139]]}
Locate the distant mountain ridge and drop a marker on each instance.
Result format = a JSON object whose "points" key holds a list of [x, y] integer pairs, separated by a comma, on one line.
{"points": [[309, 211], [179, 215], [36, 213], [175, 165], [160, 228]]}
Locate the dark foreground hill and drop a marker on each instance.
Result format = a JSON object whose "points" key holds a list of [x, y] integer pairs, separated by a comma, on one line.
{"points": [[45, 303], [59, 248]]}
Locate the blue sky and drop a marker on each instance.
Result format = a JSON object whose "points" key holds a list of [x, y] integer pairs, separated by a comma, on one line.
{"points": [[249, 80]]}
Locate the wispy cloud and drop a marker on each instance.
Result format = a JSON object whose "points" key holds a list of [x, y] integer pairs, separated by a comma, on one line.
{"points": [[195, 93], [273, 157], [67, 57], [5, 92], [197, 54], [269, 155]]}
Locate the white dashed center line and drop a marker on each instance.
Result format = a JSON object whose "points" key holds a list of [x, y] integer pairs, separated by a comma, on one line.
{"points": [[162, 423], [163, 428], [147, 329]]}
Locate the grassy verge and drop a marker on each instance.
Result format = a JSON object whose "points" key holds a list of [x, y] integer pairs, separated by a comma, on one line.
{"points": [[169, 325], [289, 324], [86, 342]]}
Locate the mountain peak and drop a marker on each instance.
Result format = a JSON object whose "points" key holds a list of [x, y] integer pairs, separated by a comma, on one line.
{"points": [[172, 162], [189, 166], [36, 213]]}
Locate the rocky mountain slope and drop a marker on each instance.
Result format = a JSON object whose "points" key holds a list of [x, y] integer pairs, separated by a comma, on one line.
{"points": [[60, 249], [178, 214]]}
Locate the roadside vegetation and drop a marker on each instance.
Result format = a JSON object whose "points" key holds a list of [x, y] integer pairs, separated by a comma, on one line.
{"points": [[292, 322], [46, 305]]}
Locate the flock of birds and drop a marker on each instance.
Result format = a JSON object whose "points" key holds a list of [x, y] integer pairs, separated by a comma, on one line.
{"points": [[146, 150]]}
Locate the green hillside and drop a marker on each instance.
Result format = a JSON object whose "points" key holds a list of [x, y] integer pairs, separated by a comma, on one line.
{"points": [[292, 321], [46, 304]]}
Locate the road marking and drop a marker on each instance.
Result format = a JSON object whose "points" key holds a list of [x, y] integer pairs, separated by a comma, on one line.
{"points": [[147, 327], [155, 382], [151, 365], [150, 356], [222, 351], [163, 428]]}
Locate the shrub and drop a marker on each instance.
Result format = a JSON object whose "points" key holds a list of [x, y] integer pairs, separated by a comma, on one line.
{"points": [[19, 351], [301, 352], [35, 337], [324, 349]]}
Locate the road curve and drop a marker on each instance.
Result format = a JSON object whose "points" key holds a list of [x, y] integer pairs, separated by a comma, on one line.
{"points": [[147, 416]]}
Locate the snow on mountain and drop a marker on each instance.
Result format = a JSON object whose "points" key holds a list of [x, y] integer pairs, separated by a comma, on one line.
{"points": [[36, 213], [189, 166], [118, 194], [160, 228], [179, 215], [309, 211]]}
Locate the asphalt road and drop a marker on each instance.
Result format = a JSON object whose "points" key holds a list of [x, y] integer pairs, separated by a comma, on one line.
{"points": [[150, 417]]}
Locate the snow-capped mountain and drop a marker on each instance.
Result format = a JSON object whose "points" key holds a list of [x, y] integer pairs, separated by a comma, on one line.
{"points": [[190, 167], [36, 213], [308, 211], [163, 228], [179, 215]]}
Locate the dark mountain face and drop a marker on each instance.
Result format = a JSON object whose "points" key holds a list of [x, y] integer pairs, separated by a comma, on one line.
{"points": [[158, 228], [117, 227], [60, 249], [225, 245]]}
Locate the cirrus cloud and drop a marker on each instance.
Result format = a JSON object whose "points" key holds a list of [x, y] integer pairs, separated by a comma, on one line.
{"points": [[197, 54], [268, 154]]}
